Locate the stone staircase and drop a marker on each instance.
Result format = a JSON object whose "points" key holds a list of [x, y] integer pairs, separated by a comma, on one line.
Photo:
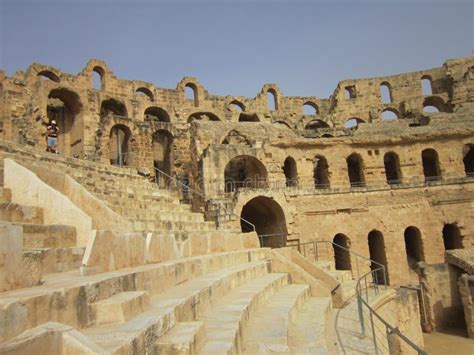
{"points": [[227, 303], [347, 283]]}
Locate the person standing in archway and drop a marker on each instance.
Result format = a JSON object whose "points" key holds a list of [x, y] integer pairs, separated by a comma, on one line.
{"points": [[52, 137]]}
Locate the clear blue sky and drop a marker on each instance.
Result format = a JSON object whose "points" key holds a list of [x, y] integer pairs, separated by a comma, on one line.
{"points": [[234, 47]]}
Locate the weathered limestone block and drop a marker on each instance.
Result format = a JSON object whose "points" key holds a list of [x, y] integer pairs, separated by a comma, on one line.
{"points": [[107, 251], [33, 268], [466, 289], [28, 189], [198, 243], [48, 236], [12, 273], [161, 247], [250, 240]]}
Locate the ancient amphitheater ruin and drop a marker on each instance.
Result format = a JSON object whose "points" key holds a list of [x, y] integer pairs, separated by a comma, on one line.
{"points": [[175, 221]]}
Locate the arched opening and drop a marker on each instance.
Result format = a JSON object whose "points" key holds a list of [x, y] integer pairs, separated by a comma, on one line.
{"points": [[389, 115], [392, 168], [310, 108], [162, 143], [291, 173], [468, 159], [377, 254], [355, 170], [342, 256], [119, 140], [113, 107], [145, 92], [426, 85], [434, 104], [245, 117], [315, 125], [353, 122], [413, 246], [236, 138], [272, 102], [282, 123], [244, 171], [452, 237], [48, 75], [64, 106], [203, 116], [431, 169], [386, 93], [269, 220], [156, 114], [191, 93], [98, 78], [236, 105], [320, 172]]}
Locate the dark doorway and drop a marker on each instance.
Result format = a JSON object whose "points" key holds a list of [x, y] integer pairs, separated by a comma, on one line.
{"points": [[119, 145], [342, 256], [355, 170], [413, 246], [392, 168], [291, 174], [244, 171], [431, 169], [452, 237], [269, 220], [377, 254], [321, 173]]}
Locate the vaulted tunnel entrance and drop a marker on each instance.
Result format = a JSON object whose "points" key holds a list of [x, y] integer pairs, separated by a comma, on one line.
{"points": [[342, 256], [413, 246], [269, 220]]}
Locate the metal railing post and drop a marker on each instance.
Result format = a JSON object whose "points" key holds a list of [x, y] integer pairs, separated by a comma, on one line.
{"points": [[361, 315], [373, 331]]}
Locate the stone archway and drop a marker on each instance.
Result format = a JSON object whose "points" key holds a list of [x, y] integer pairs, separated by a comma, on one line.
{"points": [[162, 142], [269, 220], [244, 171], [377, 254]]}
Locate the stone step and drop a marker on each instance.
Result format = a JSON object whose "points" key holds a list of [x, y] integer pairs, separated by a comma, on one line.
{"points": [[171, 226], [186, 338], [325, 265], [181, 303], [269, 327], [227, 322], [306, 332], [147, 215], [5, 195], [54, 260], [15, 213], [48, 236], [120, 307]]}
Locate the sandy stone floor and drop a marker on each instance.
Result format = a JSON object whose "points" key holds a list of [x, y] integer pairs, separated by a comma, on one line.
{"points": [[452, 341]]}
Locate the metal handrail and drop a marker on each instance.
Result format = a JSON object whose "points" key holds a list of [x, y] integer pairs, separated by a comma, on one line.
{"points": [[188, 188], [362, 284]]}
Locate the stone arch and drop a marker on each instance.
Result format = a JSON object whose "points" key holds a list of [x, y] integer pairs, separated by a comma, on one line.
{"points": [[163, 159], [48, 74], [157, 114], [246, 117], [291, 172], [65, 107], [355, 170], [386, 92], [236, 105], [269, 220], [272, 99], [234, 137], [191, 93], [99, 73], [426, 85], [203, 116], [353, 122], [431, 167], [119, 145], [342, 257], [114, 107], [468, 159], [244, 171], [321, 172], [389, 114], [413, 246], [452, 238], [145, 91], [378, 254], [393, 172], [282, 123], [310, 108], [435, 102], [315, 125]]}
